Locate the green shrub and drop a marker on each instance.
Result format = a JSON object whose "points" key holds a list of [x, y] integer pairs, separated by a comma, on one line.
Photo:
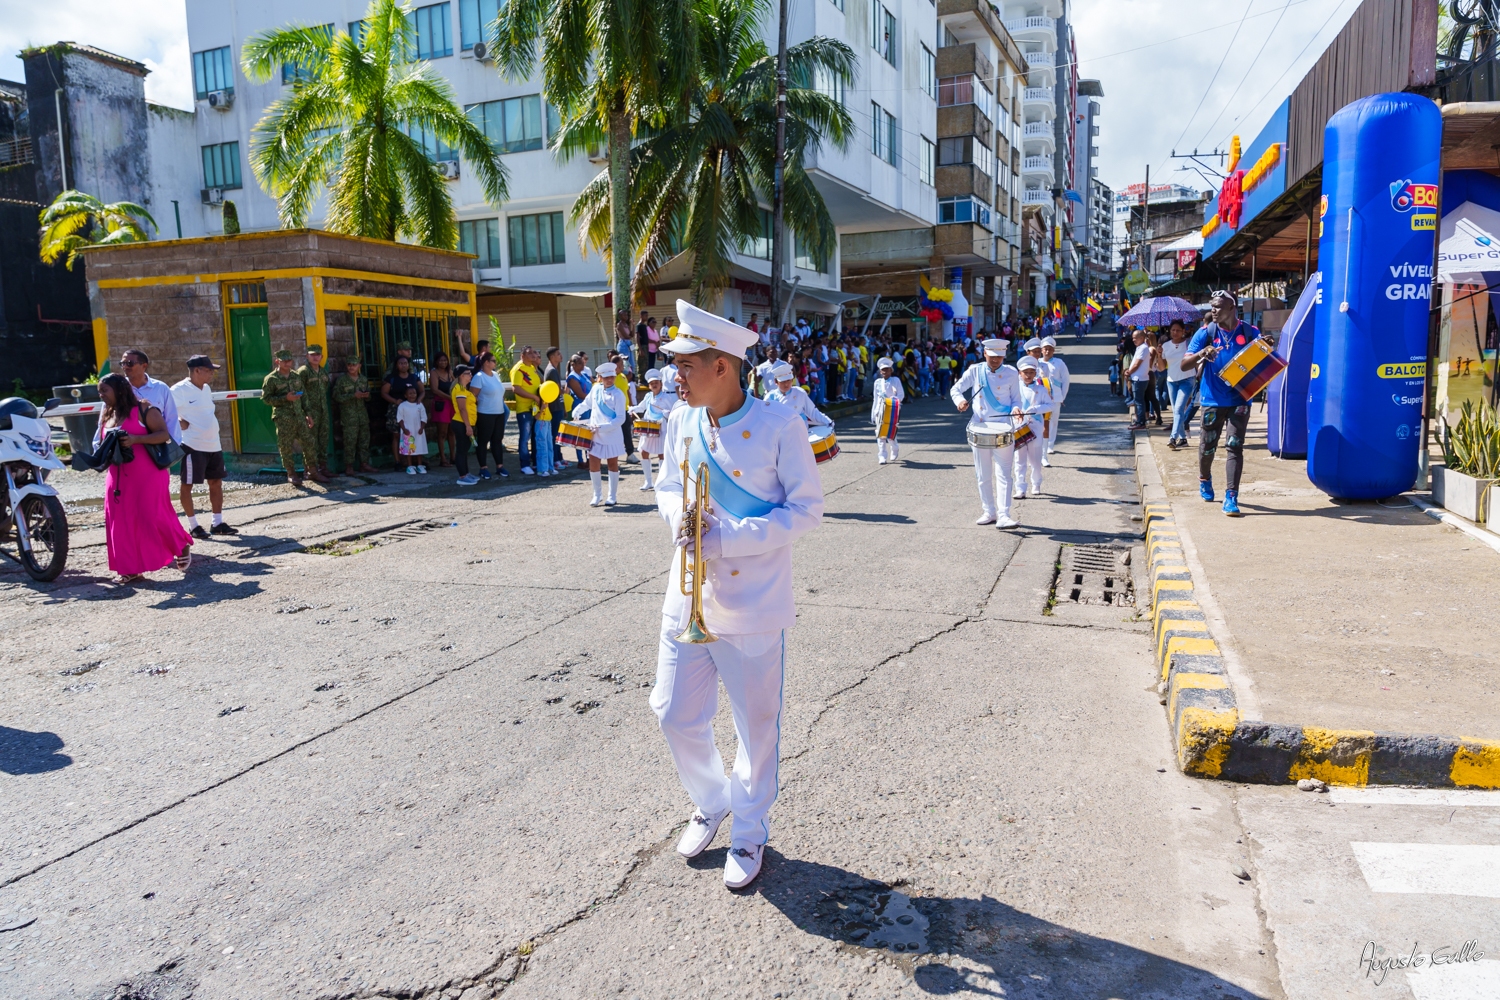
{"points": [[1473, 447]]}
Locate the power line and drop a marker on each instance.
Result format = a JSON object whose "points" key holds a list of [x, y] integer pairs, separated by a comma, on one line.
{"points": [[1272, 88], [1212, 80], [1264, 42]]}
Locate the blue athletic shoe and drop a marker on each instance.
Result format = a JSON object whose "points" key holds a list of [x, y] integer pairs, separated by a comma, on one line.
{"points": [[484, 474], [1232, 503], [1206, 490]]}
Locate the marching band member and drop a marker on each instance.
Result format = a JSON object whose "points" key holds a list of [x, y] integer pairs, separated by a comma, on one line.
{"points": [[887, 386], [655, 407], [789, 393], [1061, 380], [766, 493], [995, 388], [1036, 401], [605, 410]]}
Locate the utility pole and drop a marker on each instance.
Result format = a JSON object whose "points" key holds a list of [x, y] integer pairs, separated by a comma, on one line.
{"points": [[778, 225]]}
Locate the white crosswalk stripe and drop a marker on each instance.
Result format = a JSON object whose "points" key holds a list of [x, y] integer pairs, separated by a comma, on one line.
{"points": [[1440, 869], [1474, 981], [1378, 795]]}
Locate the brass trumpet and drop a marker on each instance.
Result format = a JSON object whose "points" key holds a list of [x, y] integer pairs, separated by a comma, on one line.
{"points": [[690, 579]]}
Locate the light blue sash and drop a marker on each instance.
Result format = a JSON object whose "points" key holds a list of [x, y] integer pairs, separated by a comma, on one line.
{"points": [[989, 394], [728, 496], [601, 395]]}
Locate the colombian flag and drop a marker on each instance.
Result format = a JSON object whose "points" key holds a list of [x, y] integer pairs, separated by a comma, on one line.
{"points": [[1057, 310], [1093, 306]]}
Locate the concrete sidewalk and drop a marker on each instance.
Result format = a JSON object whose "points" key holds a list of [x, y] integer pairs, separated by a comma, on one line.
{"points": [[1357, 632]]}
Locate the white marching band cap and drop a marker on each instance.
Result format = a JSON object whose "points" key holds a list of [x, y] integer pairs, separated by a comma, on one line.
{"points": [[699, 330], [781, 371], [1026, 363], [1049, 341], [606, 370], [653, 375], [1034, 344], [885, 363], [995, 347]]}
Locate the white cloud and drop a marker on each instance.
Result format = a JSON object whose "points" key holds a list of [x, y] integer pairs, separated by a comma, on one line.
{"points": [[151, 31], [1157, 58]]}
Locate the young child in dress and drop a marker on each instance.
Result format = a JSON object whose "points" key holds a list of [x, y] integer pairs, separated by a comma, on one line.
{"points": [[411, 422]]}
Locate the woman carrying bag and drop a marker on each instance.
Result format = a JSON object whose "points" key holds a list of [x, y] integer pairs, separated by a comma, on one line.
{"points": [[141, 530]]}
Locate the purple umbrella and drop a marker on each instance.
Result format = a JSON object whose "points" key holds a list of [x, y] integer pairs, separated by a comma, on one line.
{"points": [[1160, 310]]}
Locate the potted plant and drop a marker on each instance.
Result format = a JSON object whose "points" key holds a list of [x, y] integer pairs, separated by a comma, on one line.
{"points": [[1472, 453]]}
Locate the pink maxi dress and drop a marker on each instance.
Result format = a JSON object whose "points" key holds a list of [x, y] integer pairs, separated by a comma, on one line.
{"points": [[141, 530]]}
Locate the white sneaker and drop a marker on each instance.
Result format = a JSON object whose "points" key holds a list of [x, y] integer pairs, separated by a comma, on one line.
{"points": [[596, 502], [411, 470], [883, 461], [1018, 495], [700, 832], [1046, 464], [1051, 450], [1007, 522], [527, 470], [421, 470], [743, 864], [986, 519]]}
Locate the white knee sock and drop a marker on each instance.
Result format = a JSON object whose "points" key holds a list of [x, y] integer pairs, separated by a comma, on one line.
{"points": [[880, 449], [646, 465], [614, 484], [895, 449], [598, 482]]}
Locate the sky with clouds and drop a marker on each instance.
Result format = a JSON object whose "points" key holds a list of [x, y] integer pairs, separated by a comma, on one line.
{"points": [[1175, 73]]}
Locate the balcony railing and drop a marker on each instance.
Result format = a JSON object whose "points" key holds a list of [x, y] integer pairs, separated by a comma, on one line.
{"points": [[1037, 196], [14, 152], [1038, 95], [1037, 165], [1018, 26], [1040, 60], [1038, 130]]}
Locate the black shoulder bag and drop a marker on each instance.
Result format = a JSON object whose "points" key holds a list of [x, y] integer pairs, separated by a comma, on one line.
{"points": [[166, 454]]}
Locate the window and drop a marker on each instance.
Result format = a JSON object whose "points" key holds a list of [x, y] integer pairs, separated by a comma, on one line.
{"points": [[885, 137], [839, 4], [883, 32], [928, 160], [966, 89], [291, 73], [221, 165], [929, 72], [481, 238], [475, 18], [213, 69], [430, 24], [828, 83], [514, 125], [435, 148], [966, 149], [357, 31], [536, 239], [760, 246], [805, 258], [963, 209]]}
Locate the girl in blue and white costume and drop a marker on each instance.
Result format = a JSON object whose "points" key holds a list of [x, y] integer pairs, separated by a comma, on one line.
{"points": [[657, 404], [603, 410]]}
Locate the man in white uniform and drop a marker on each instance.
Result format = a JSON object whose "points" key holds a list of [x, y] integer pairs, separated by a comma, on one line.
{"points": [[993, 390], [1061, 379], [789, 393], [766, 493]]}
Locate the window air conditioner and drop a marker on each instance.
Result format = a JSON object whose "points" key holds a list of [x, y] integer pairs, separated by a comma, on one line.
{"points": [[221, 100], [482, 52], [449, 169], [213, 196]]}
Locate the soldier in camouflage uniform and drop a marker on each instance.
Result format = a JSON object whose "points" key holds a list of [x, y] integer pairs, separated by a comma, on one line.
{"points": [[350, 393], [315, 402], [282, 392]]}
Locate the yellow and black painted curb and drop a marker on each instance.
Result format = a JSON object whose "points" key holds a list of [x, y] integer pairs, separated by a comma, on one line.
{"points": [[1213, 741]]}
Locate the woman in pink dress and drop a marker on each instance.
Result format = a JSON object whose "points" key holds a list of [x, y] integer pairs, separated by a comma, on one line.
{"points": [[141, 530]]}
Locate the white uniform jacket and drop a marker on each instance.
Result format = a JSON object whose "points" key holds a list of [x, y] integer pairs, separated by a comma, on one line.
{"points": [[1034, 397], [797, 398], [662, 402], [760, 451], [1061, 378], [1004, 389], [886, 388], [592, 413]]}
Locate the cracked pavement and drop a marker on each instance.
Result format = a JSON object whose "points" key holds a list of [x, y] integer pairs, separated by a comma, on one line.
{"points": [[428, 768]]}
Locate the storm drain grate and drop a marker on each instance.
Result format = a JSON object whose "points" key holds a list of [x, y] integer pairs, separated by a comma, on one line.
{"points": [[349, 545], [1095, 574]]}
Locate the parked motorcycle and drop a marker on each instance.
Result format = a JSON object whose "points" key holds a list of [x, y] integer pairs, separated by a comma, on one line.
{"points": [[29, 508]]}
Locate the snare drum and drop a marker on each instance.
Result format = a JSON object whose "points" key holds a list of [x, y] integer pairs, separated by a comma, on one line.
{"points": [[648, 436], [1023, 434], [576, 435], [890, 415], [825, 443], [644, 426], [990, 435]]}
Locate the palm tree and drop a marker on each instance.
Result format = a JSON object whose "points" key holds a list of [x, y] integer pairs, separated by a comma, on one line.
{"points": [[700, 178], [76, 220], [605, 64], [354, 124]]}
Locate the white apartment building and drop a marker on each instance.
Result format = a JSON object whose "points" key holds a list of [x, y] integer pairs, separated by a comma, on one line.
{"points": [[1037, 26], [882, 181]]}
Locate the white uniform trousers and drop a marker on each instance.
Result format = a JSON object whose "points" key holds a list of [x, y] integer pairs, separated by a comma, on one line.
{"points": [[685, 701], [887, 449], [1028, 466], [1054, 416], [986, 462]]}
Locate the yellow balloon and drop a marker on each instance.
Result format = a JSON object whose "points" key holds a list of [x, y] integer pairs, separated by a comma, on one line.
{"points": [[549, 392]]}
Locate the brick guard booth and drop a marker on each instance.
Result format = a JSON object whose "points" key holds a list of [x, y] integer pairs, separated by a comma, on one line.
{"points": [[239, 299]]}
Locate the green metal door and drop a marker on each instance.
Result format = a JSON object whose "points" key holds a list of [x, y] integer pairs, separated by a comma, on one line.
{"points": [[250, 340]]}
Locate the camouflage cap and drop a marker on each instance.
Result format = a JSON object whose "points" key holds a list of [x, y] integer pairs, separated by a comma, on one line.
{"points": [[353, 359], [315, 349], [283, 355], [403, 346]]}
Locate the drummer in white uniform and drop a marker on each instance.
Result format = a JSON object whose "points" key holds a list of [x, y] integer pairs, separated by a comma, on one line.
{"points": [[603, 410], [766, 493], [789, 393], [993, 390], [653, 409], [1061, 380], [1036, 402], [887, 387]]}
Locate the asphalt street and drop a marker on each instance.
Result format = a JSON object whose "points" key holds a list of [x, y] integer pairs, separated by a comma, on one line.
{"points": [[398, 744]]}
